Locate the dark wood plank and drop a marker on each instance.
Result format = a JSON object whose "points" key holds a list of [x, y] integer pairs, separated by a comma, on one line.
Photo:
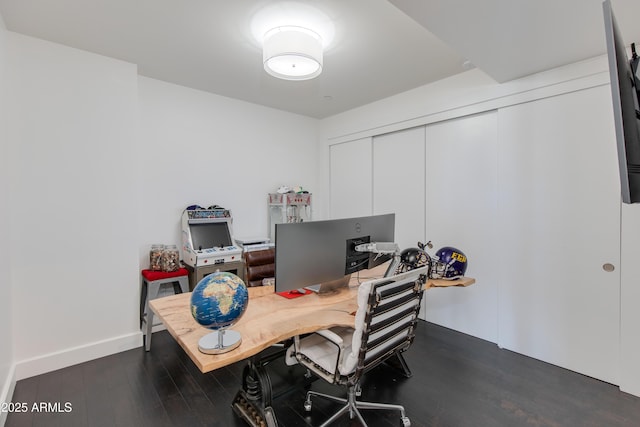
{"points": [[457, 380], [152, 411], [61, 399], [26, 393]]}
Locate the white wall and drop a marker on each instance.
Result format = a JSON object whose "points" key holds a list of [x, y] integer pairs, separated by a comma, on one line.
{"points": [[102, 162], [200, 148], [74, 258], [6, 336], [473, 92]]}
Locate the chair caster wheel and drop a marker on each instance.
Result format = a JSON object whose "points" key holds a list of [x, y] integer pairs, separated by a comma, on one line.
{"points": [[405, 422], [307, 405]]}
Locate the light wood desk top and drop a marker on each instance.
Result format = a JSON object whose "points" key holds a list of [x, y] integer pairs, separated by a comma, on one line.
{"points": [[269, 318]]}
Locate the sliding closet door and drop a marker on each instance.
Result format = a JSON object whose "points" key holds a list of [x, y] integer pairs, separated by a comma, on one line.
{"points": [[398, 182], [560, 228], [350, 179], [461, 183]]}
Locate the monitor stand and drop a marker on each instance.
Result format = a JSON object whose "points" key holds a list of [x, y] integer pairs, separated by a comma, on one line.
{"points": [[331, 286]]}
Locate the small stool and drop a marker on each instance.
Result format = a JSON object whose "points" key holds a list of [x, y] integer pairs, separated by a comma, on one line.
{"points": [[150, 283]]}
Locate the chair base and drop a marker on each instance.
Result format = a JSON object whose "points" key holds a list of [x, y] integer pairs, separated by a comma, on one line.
{"points": [[352, 406]]}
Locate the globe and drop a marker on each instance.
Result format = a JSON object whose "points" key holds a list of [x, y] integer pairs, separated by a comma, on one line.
{"points": [[217, 302]]}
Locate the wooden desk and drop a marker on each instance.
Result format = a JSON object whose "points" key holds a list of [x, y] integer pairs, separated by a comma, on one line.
{"points": [[269, 319]]}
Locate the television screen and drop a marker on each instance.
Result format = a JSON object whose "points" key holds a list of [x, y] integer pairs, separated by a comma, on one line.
{"points": [[626, 115]]}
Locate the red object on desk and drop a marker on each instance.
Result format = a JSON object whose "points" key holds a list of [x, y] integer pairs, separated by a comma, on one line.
{"points": [[293, 294]]}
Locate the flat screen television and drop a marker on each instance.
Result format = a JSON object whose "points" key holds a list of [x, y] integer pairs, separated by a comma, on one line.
{"points": [[625, 92], [323, 253]]}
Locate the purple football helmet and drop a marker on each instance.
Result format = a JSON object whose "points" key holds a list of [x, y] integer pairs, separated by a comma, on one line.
{"points": [[448, 263]]}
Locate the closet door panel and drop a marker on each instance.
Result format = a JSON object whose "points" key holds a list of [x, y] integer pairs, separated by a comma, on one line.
{"points": [[398, 182], [350, 177], [461, 182], [560, 223]]}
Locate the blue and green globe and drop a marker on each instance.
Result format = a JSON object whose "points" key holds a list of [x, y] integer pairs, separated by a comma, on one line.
{"points": [[219, 300]]}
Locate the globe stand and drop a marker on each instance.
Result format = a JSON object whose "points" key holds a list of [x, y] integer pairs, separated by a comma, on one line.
{"points": [[219, 341]]}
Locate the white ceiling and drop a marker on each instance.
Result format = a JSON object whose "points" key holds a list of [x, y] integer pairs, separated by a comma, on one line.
{"points": [[380, 48]]}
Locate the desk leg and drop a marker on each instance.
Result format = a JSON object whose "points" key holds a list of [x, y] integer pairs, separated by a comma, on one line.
{"points": [[253, 402]]}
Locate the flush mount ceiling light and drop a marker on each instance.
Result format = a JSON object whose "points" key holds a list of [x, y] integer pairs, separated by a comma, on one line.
{"points": [[292, 53]]}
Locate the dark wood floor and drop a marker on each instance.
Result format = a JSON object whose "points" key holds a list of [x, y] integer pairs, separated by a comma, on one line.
{"points": [[457, 380]]}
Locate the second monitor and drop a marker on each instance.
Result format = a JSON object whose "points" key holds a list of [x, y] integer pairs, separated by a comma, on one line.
{"points": [[322, 252]]}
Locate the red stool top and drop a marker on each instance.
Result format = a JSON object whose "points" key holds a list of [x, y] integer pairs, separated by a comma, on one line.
{"points": [[152, 275]]}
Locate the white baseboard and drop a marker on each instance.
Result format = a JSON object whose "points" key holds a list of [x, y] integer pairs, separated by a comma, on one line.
{"points": [[6, 393], [73, 356]]}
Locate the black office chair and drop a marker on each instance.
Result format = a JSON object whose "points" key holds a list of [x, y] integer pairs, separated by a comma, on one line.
{"points": [[385, 325]]}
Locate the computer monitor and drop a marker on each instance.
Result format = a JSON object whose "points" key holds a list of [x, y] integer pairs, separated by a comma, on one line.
{"points": [[322, 252]]}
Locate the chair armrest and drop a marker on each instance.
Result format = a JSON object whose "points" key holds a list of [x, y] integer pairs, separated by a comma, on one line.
{"points": [[331, 336]]}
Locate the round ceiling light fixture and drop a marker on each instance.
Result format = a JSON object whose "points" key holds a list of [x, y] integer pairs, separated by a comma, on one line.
{"points": [[292, 53]]}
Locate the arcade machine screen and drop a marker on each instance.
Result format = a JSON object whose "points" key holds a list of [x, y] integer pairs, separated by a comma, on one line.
{"points": [[210, 235]]}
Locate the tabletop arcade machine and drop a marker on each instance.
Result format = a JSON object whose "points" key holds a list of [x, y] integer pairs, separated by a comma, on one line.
{"points": [[208, 245]]}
